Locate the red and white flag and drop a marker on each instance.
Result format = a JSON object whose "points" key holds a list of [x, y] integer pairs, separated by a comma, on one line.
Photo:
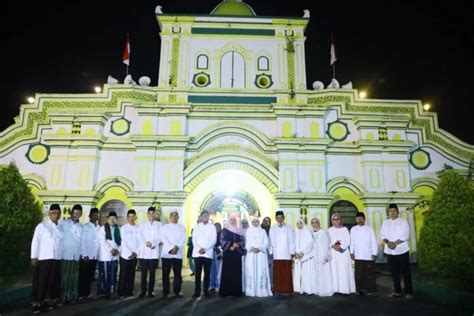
{"points": [[126, 51], [333, 50]]}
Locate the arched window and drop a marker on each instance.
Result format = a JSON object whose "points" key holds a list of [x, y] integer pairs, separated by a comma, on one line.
{"points": [[263, 63], [232, 70], [202, 62]]}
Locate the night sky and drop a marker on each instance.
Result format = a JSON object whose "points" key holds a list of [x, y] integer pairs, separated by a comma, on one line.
{"points": [[394, 49]]}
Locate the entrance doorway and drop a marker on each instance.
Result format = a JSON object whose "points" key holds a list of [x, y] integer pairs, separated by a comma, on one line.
{"points": [[222, 204]]}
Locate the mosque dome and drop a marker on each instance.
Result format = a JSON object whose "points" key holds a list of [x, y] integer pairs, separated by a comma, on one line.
{"points": [[233, 7]]}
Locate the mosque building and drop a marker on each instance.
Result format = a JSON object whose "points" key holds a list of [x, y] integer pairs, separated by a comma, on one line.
{"points": [[233, 127]]}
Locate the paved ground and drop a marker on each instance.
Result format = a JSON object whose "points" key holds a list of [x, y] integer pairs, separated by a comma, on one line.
{"points": [[293, 305]]}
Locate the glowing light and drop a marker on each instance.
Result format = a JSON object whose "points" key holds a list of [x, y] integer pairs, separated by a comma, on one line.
{"points": [[30, 99], [362, 94], [426, 106], [98, 89]]}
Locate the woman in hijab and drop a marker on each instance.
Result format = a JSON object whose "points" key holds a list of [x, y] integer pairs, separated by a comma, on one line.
{"points": [[256, 262], [343, 280], [304, 268], [322, 259], [266, 225], [233, 248]]}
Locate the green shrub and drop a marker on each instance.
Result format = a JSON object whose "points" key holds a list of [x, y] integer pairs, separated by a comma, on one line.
{"points": [[446, 245], [19, 214]]}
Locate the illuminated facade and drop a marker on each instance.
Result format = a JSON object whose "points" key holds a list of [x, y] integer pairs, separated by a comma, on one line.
{"points": [[231, 126]]}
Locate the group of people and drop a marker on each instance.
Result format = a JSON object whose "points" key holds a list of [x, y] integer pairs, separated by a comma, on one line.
{"points": [[65, 255], [262, 260], [252, 259]]}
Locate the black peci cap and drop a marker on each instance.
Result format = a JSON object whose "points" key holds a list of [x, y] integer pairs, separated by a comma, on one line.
{"points": [[54, 207]]}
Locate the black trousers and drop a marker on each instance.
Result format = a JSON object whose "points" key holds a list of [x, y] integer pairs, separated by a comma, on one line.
{"points": [[46, 281], [202, 262], [401, 264], [177, 265], [86, 276], [148, 265], [126, 277], [365, 276]]}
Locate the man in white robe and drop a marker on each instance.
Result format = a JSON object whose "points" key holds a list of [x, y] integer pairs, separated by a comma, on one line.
{"points": [[395, 233], [256, 262], [322, 259], [46, 261], [283, 249], [72, 234], [128, 256], [148, 252], [204, 239], [364, 251], [89, 253], [109, 253], [304, 267], [173, 236], [343, 280]]}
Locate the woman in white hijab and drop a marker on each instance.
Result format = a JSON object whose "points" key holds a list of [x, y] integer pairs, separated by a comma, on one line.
{"points": [[257, 281], [304, 268], [322, 259]]}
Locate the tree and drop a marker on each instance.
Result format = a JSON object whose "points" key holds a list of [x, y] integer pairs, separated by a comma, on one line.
{"points": [[446, 245], [19, 214]]}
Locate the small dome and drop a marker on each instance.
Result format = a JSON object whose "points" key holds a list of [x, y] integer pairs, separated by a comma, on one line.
{"points": [[233, 7]]}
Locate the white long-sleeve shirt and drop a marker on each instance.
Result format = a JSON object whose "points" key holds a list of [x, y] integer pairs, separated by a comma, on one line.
{"points": [[282, 242], [173, 235], [107, 245], [90, 243], [363, 243], [204, 236], [47, 242], [130, 240], [149, 232], [394, 230], [72, 234]]}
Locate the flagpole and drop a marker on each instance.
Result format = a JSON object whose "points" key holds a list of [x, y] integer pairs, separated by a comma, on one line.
{"points": [[332, 52], [126, 54]]}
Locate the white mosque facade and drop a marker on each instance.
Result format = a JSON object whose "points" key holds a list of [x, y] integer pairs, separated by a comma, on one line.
{"points": [[232, 127]]}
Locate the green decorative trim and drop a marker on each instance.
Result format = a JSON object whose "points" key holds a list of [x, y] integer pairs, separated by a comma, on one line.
{"points": [[120, 126], [174, 62], [420, 159], [338, 130], [263, 81], [26, 128], [425, 124], [41, 151], [231, 31], [290, 49], [345, 182], [198, 79], [116, 181], [217, 99]]}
